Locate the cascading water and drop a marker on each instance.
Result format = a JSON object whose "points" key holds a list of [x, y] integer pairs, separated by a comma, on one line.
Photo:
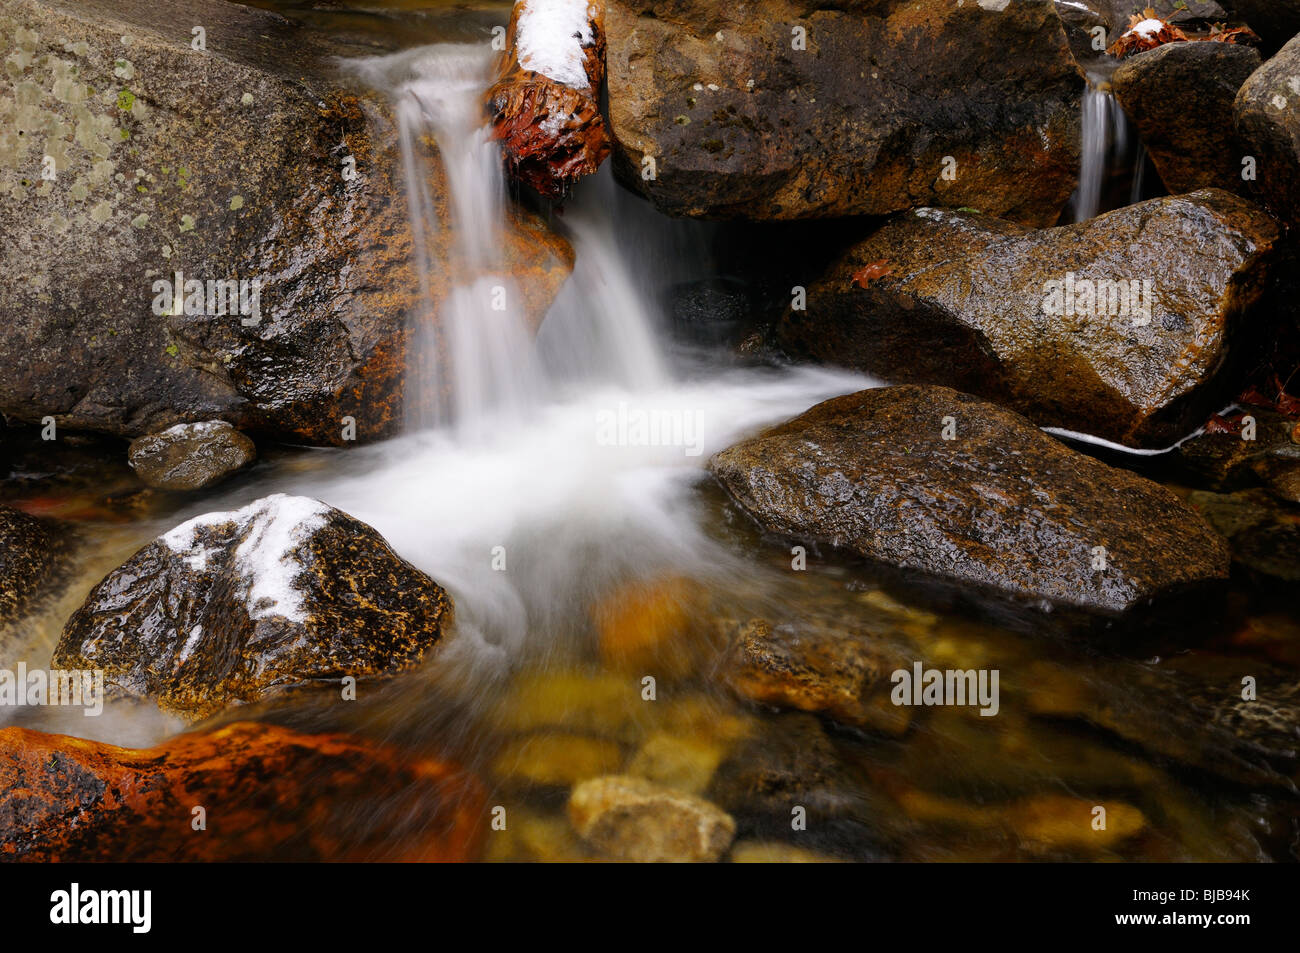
{"points": [[532, 457], [478, 333], [1106, 144]]}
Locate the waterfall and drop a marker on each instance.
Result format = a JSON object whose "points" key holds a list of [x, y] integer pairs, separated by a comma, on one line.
{"points": [[527, 456], [476, 356], [1106, 144]]}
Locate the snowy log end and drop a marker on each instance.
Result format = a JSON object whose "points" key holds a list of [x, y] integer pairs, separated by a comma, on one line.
{"points": [[544, 105]]}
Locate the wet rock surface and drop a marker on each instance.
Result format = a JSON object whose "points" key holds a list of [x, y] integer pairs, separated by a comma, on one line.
{"points": [[631, 819], [29, 552], [233, 607], [1190, 710], [730, 109], [1109, 327], [140, 190], [1264, 536], [1235, 457], [1267, 113], [1180, 96], [1001, 504], [190, 456], [843, 674], [266, 792], [790, 761]]}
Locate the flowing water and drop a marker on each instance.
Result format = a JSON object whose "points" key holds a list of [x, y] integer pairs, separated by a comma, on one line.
{"points": [[1108, 148], [560, 528]]}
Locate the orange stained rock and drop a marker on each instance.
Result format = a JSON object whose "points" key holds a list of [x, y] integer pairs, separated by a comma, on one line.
{"points": [[265, 792], [643, 625]]}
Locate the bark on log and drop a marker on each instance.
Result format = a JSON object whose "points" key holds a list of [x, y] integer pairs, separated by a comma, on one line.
{"points": [[545, 104]]}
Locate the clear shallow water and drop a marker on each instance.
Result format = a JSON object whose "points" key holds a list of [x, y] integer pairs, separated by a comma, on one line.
{"points": [[535, 460]]}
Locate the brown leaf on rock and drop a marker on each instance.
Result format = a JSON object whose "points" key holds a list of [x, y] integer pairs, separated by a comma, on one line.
{"points": [[872, 271], [1157, 32]]}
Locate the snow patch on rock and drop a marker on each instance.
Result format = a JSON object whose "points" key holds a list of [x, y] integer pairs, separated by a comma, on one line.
{"points": [[202, 428], [1148, 28], [272, 528]]}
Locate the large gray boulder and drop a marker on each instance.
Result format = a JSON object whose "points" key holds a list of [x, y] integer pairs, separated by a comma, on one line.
{"points": [[129, 156]]}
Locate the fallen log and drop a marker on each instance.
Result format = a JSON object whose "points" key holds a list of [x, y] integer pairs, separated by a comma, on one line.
{"points": [[545, 104]]}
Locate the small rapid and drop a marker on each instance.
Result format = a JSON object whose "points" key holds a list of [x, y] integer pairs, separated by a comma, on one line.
{"points": [[563, 462]]}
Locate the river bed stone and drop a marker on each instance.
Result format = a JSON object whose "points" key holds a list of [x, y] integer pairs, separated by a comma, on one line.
{"points": [[235, 607], [1000, 505], [631, 819]]}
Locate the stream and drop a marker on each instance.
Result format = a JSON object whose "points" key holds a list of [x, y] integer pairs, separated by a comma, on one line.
{"points": [[554, 481]]}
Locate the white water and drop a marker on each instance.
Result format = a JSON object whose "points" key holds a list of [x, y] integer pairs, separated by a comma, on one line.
{"points": [[1105, 144], [521, 457]]}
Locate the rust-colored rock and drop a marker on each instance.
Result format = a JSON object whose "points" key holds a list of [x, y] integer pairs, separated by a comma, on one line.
{"points": [[547, 114], [267, 793]]}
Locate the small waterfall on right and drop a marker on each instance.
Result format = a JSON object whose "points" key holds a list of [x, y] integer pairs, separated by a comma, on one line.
{"points": [[1109, 149]]}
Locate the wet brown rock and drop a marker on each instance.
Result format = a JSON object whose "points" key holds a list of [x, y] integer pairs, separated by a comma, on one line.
{"points": [[643, 626], [28, 555], [536, 838], [740, 122], [1267, 112], [1189, 709], [1044, 822], [267, 793], [1180, 96], [630, 819], [1224, 459], [775, 852], [785, 762], [144, 189], [975, 303], [234, 607], [1264, 537], [1001, 505], [190, 456], [1275, 20], [841, 674], [577, 702], [551, 131], [685, 762]]}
